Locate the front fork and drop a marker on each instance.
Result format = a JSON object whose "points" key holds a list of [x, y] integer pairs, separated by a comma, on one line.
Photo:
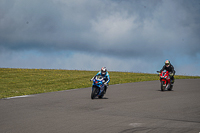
{"points": [[166, 83], [101, 89]]}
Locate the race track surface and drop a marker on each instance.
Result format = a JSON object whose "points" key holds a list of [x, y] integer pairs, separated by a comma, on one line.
{"points": [[127, 108]]}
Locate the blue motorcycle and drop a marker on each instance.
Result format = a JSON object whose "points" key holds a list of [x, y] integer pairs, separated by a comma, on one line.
{"points": [[98, 87]]}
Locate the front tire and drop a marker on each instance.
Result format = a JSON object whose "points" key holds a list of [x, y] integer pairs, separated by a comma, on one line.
{"points": [[162, 86], [94, 92]]}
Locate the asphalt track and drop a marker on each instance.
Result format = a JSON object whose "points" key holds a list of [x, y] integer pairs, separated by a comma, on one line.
{"points": [[127, 108]]}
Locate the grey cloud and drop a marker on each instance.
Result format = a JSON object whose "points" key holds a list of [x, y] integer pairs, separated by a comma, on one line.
{"points": [[68, 24]]}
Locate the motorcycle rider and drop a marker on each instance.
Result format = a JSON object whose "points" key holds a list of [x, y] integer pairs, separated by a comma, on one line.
{"points": [[170, 68], [103, 72]]}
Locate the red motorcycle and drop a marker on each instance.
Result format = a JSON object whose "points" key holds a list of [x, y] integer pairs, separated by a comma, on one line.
{"points": [[165, 80]]}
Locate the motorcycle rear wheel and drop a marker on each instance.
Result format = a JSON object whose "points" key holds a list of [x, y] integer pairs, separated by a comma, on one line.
{"points": [[100, 97], [170, 89]]}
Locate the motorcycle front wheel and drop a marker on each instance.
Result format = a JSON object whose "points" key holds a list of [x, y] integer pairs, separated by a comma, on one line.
{"points": [[162, 86], [94, 92]]}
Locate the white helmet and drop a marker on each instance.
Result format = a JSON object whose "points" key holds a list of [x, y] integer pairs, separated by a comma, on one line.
{"points": [[103, 71], [167, 63]]}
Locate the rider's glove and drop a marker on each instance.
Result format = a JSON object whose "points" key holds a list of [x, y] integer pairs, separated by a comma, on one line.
{"points": [[158, 72], [171, 74], [105, 83]]}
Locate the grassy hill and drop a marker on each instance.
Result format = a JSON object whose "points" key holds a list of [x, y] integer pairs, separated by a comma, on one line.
{"points": [[17, 82]]}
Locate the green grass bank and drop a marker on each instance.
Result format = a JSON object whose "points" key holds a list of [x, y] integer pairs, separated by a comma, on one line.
{"points": [[17, 82]]}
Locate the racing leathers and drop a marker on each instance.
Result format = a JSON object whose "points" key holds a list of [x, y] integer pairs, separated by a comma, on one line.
{"points": [[106, 78], [171, 70]]}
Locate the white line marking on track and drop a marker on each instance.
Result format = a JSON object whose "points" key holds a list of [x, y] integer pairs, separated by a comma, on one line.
{"points": [[41, 93], [18, 97]]}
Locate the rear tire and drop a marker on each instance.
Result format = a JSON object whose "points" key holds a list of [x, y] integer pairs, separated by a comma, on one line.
{"points": [[100, 97], [170, 89]]}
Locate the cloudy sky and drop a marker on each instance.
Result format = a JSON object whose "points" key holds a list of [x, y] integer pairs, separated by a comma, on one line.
{"points": [[123, 35]]}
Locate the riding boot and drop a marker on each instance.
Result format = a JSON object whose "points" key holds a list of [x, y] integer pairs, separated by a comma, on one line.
{"points": [[105, 88], [172, 80], [168, 86]]}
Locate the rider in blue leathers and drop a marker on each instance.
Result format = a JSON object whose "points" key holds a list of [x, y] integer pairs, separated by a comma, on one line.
{"points": [[106, 76]]}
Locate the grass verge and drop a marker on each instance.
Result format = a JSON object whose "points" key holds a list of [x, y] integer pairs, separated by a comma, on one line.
{"points": [[18, 82]]}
